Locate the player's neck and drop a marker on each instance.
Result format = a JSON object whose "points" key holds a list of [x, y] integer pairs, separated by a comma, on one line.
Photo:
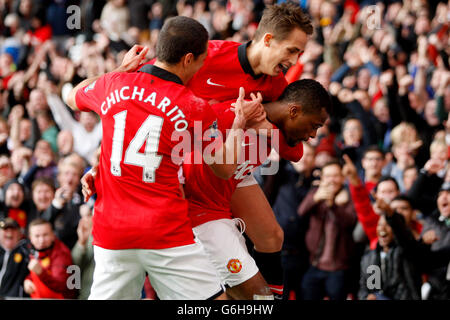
{"points": [[176, 69], [273, 113], [254, 57]]}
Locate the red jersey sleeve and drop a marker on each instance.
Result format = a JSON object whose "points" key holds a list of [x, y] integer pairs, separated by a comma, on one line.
{"points": [[91, 97]]}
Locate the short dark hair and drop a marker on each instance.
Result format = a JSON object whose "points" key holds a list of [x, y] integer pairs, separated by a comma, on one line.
{"points": [[404, 197], [43, 180], [180, 36], [281, 19], [373, 148], [309, 94], [39, 221], [386, 178], [333, 162]]}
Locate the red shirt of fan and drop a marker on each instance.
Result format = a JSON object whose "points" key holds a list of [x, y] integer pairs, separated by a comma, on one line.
{"points": [[140, 204], [209, 197], [227, 68]]}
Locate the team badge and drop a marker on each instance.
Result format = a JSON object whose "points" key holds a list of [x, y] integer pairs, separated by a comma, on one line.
{"points": [[18, 258], [90, 87], [45, 262], [234, 265]]}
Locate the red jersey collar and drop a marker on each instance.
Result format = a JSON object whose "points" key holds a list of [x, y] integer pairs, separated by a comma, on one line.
{"points": [[243, 60], [160, 73]]}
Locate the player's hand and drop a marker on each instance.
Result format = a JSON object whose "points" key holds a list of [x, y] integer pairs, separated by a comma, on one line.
{"points": [[256, 117], [239, 119], [249, 112], [133, 59], [87, 183]]}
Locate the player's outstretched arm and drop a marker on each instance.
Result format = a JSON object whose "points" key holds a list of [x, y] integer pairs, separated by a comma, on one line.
{"points": [[131, 61], [226, 159]]}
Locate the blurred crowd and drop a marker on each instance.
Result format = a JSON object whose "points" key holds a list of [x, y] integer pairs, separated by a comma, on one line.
{"points": [[365, 212]]}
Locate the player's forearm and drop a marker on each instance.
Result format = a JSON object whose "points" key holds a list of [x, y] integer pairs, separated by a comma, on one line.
{"points": [[227, 157]]}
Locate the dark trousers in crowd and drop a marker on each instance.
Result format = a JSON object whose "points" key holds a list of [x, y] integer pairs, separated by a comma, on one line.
{"points": [[318, 284], [294, 267]]}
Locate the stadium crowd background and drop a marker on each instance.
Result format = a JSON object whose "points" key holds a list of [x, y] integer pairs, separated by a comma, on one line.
{"points": [[387, 70]]}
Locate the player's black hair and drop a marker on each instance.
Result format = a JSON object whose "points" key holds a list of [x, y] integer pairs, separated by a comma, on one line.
{"points": [[309, 94], [180, 36]]}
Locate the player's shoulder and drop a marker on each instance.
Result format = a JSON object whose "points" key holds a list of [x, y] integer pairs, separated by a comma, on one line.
{"points": [[223, 107], [221, 47], [191, 102]]}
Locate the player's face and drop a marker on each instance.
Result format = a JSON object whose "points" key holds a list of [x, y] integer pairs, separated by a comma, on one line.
{"points": [[280, 55], [197, 64], [302, 126]]}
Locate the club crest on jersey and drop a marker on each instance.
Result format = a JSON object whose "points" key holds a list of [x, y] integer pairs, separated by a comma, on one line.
{"points": [[234, 265], [90, 87]]}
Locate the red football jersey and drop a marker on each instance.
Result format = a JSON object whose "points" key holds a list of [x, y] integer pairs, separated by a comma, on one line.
{"points": [[227, 68], [140, 204], [209, 196]]}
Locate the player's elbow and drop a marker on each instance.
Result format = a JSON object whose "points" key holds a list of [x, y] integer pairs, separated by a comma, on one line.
{"points": [[70, 101]]}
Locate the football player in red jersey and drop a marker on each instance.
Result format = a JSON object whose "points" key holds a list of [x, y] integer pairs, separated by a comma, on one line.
{"points": [[302, 108], [141, 221], [257, 66]]}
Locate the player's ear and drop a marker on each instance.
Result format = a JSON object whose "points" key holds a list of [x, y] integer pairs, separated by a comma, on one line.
{"points": [[188, 58], [267, 39], [294, 111]]}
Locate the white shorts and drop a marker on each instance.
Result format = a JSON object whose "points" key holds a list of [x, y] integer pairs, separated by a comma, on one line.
{"points": [[226, 248], [179, 273], [249, 180]]}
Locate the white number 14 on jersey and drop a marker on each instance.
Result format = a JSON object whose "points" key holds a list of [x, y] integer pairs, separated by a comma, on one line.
{"points": [[149, 133]]}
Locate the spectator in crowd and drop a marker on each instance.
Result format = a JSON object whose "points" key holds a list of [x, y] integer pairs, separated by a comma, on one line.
{"points": [[13, 259], [83, 251], [64, 211], [392, 79], [436, 232], [294, 180], [48, 265], [6, 173], [398, 277], [372, 162], [329, 236], [16, 204], [42, 194], [43, 163]]}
